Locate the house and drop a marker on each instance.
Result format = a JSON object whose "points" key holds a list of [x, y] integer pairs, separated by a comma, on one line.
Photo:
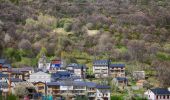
{"points": [[17, 74], [71, 89], [40, 77], [4, 87], [55, 66], [158, 94], [120, 82], [23, 72], [4, 66], [102, 92], [117, 70], [100, 68], [139, 75], [40, 87], [43, 63], [77, 69]]}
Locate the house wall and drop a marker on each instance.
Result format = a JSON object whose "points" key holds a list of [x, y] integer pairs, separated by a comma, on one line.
{"points": [[150, 95], [66, 87], [100, 71], [40, 78], [78, 72], [102, 93]]}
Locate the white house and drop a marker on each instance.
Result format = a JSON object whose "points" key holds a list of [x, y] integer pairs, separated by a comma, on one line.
{"points": [[102, 92], [158, 94], [40, 77], [100, 68]]}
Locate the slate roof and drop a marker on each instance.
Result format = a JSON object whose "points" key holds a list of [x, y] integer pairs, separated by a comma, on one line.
{"points": [[76, 66], [2, 61], [60, 74], [16, 80], [101, 62], [117, 65], [121, 79], [160, 91], [7, 65], [23, 69], [78, 83], [3, 75], [103, 87]]}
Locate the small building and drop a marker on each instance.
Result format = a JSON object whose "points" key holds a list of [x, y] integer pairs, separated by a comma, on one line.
{"points": [[120, 82], [100, 68], [117, 70], [4, 66], [102, 92], [40, 87], [40, 77], [71, 89], [55, 66], [23, 72], [4, 87], [77, 69], [139, 75], [158, 94]]}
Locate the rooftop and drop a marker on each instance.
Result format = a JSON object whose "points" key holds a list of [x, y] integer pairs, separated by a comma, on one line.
{"points": [[2, 61], [121, 79], [101, 62], [78, 83], [117, 65], [160, 91], [76, 66]]}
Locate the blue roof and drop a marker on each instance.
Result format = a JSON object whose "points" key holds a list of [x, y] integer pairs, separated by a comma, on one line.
{"points": [[78, 83], [121, 79], [160, 91], [6, 65], [3, 75], [72, 65], [101, 62], [117, 65], [61, 74], [16, 80], [76, 66], [103, 87], [2, 61], [91, 84]]}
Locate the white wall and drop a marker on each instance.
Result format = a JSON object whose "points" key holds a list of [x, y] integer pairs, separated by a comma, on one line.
{"points": [[102, 93], [66, 87], [40, 77]]}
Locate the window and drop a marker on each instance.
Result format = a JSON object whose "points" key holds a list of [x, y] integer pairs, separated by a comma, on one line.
{"points": [[160, 96], [167, 96], [157, 97], [164, 97]]}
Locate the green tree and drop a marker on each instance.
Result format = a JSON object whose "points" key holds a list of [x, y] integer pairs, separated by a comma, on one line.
{"points": [[43, 51]]}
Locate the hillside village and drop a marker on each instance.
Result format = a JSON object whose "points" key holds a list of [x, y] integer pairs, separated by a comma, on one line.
{"points": [[84, 49], [51, 80]]}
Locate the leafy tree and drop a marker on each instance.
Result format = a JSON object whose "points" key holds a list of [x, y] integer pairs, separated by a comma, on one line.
{"points": [[21, 91], [43, 51]]}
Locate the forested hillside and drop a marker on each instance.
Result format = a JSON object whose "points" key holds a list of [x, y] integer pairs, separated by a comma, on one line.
{"points": [[132, 31]]}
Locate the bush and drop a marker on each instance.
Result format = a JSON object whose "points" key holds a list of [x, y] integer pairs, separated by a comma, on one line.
{"points": [[116, 98], [67, 27]]}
